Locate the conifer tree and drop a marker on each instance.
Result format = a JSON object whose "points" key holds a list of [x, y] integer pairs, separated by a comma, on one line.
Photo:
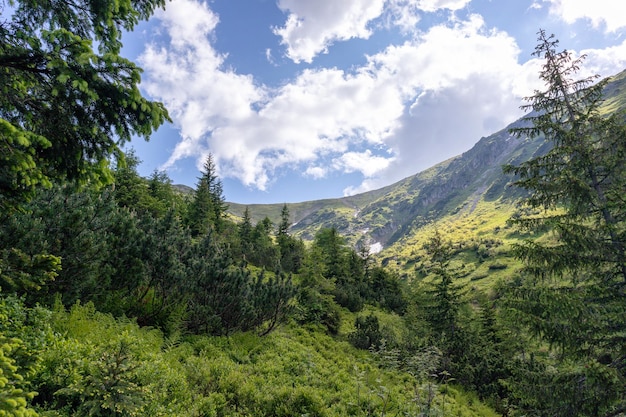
{"points": [[283, 226], [291, 249], [334, 252], [271, 299], [265, 252], [208, 207], [69, 100], [219, 293], [166, 250], [74, 227], [446, 295], [245, 234], [573, 297], [163, 194]]}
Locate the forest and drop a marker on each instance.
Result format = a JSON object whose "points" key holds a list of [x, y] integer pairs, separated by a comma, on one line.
{"points": [[124, 296]]}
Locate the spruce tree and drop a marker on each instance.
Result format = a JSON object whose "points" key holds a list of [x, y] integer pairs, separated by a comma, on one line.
{"points": [[265, 252], [446, 293], [573, 295], [208, 207], [245, 235], [291, 249]]}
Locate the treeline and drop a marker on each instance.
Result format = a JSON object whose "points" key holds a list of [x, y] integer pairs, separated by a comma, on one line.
{"points": [[142, 249]]}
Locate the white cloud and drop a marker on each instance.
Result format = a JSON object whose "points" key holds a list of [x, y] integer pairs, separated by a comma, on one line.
{"points": [[599, 12], [605, 62], [329, 114], [463, 83], [425, 100], [363, 162], [313, 25], [434, 5], [321, 113], [316, 172], [188, 76], [403, 14]]}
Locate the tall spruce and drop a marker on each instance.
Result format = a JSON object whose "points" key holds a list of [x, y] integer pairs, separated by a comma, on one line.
{"points": [[446, 293], [291, 249], [208, 207], [574, 295], [245, 235]]}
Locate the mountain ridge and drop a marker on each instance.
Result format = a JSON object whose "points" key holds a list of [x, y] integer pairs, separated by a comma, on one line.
{"points": [[378, 218]]}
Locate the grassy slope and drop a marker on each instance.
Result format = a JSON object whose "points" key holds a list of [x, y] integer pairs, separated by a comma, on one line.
{"points": [[479, 234], [293, 371], [478, 225]]}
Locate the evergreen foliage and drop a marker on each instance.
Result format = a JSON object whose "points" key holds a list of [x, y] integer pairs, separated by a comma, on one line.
{"points": [[244, 232], [66, 108], [367, 332], [110, 388], [159, 304], [264, 252], [573, 297], [24, 334], [72, 226], [446, 294], [208, 208], [291, 249]]}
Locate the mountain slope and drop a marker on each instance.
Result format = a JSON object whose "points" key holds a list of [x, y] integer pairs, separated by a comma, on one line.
{"points": [[381, 217]]}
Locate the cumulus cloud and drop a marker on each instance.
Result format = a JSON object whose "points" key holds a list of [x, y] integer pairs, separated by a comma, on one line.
{"points": [[411, 105], [316, 172], [188, 75], [609, 13], [326, 113], [463, 83], [605, 62], [364, 162], [403, 14], [434, 5], [312, 26]]}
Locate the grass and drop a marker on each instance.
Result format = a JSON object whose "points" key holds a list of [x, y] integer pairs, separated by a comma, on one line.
{"points": [[481, 239]]}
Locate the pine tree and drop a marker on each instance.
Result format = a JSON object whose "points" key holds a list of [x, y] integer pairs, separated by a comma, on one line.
{"points": [[291, 249], [576, 279], [219, 293], [272, 301], [446, 294], [245, 234], [166, 250], [208, 207]]}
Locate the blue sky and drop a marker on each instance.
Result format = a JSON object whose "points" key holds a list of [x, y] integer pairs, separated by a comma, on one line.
{"points": [[307, 99]]}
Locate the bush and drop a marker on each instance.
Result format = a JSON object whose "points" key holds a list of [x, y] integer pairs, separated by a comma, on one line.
{"points": [[367, 334]]}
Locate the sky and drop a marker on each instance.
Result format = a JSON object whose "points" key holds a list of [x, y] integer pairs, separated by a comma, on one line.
{"points": [[301, 100]]}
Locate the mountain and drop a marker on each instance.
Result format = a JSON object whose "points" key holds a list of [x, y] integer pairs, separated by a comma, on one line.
{"points": [[382, 217]]}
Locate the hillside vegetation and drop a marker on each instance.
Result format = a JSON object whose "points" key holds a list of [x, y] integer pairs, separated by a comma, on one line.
{"points": [[495, 294], [398, 211]]}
